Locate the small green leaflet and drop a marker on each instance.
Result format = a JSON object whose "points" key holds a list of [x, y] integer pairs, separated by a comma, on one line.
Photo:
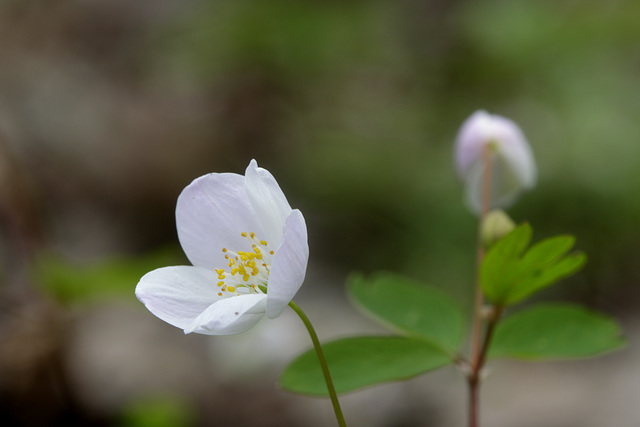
{"points": [[362, 361], [555, 331], [509, 274], [410, 308]]}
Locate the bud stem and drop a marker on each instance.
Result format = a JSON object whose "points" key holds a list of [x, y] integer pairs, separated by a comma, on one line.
{"points": [[478, 348]]}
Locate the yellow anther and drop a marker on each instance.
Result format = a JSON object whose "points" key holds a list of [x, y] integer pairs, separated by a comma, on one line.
{"points": [[244, 264], [219, 294]]}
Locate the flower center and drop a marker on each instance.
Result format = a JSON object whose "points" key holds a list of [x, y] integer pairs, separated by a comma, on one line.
{"points": [[248, 271]]}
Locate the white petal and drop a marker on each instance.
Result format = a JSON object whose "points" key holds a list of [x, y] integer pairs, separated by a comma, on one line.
{"points": [[268, 201], [230, 315], [505, 185], [178, 294], [515, 150], [289, 265], [211, 213], [513, 167], [471, 140]]}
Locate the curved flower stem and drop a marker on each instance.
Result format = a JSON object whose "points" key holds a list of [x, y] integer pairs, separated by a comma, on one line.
{"points": [[323, 363]]}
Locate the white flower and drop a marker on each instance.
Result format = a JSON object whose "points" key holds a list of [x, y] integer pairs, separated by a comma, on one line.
{"points": [[513, 167], [248, 249]]}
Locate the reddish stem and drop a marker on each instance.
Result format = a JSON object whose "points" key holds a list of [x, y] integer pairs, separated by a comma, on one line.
{"points": [[479, 346]]}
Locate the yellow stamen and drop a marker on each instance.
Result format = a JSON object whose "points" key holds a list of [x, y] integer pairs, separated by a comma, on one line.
{"points": [[246, 274]]}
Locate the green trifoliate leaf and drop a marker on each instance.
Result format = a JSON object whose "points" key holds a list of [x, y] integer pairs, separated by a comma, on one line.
{"points": [[555, 331], [509, 274], [410, 308], [362, 361]]}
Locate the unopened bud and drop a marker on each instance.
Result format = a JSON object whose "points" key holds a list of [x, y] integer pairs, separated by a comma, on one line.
{"points": [[495, 226], [513, 167]]}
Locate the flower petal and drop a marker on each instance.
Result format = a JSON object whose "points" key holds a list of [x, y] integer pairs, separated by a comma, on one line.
{"points": [[230, 315], [211, 213], [471, 140], [515, 151], [268, 201], [178, 294], [505, 185], [513, 167], [289, 265]]}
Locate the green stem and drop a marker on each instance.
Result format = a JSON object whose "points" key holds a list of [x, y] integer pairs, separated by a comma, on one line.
{"points": [[323, 363]]}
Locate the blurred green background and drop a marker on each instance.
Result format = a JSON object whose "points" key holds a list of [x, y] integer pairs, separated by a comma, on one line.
{"points": [[108, 108]]}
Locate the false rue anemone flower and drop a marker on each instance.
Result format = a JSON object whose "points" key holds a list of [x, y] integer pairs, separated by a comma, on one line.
{"points": [[248, 249], [513, 167]]}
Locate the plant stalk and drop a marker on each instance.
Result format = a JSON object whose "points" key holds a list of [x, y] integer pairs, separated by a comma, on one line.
{"points": [[479, 346], [323, 363]]}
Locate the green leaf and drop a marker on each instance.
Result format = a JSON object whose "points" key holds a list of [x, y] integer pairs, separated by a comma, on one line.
{"points": [[546, 252], [499, 267], [410, 308], [362, 361], [555, 331], [508, 276], [543, 278]]}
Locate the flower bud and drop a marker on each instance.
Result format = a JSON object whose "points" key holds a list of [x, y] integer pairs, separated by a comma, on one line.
{"points": [[513, 167], [495, 226]]}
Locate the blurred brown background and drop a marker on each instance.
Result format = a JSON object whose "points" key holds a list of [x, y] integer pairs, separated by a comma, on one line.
{"points": [[109, 108]]}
